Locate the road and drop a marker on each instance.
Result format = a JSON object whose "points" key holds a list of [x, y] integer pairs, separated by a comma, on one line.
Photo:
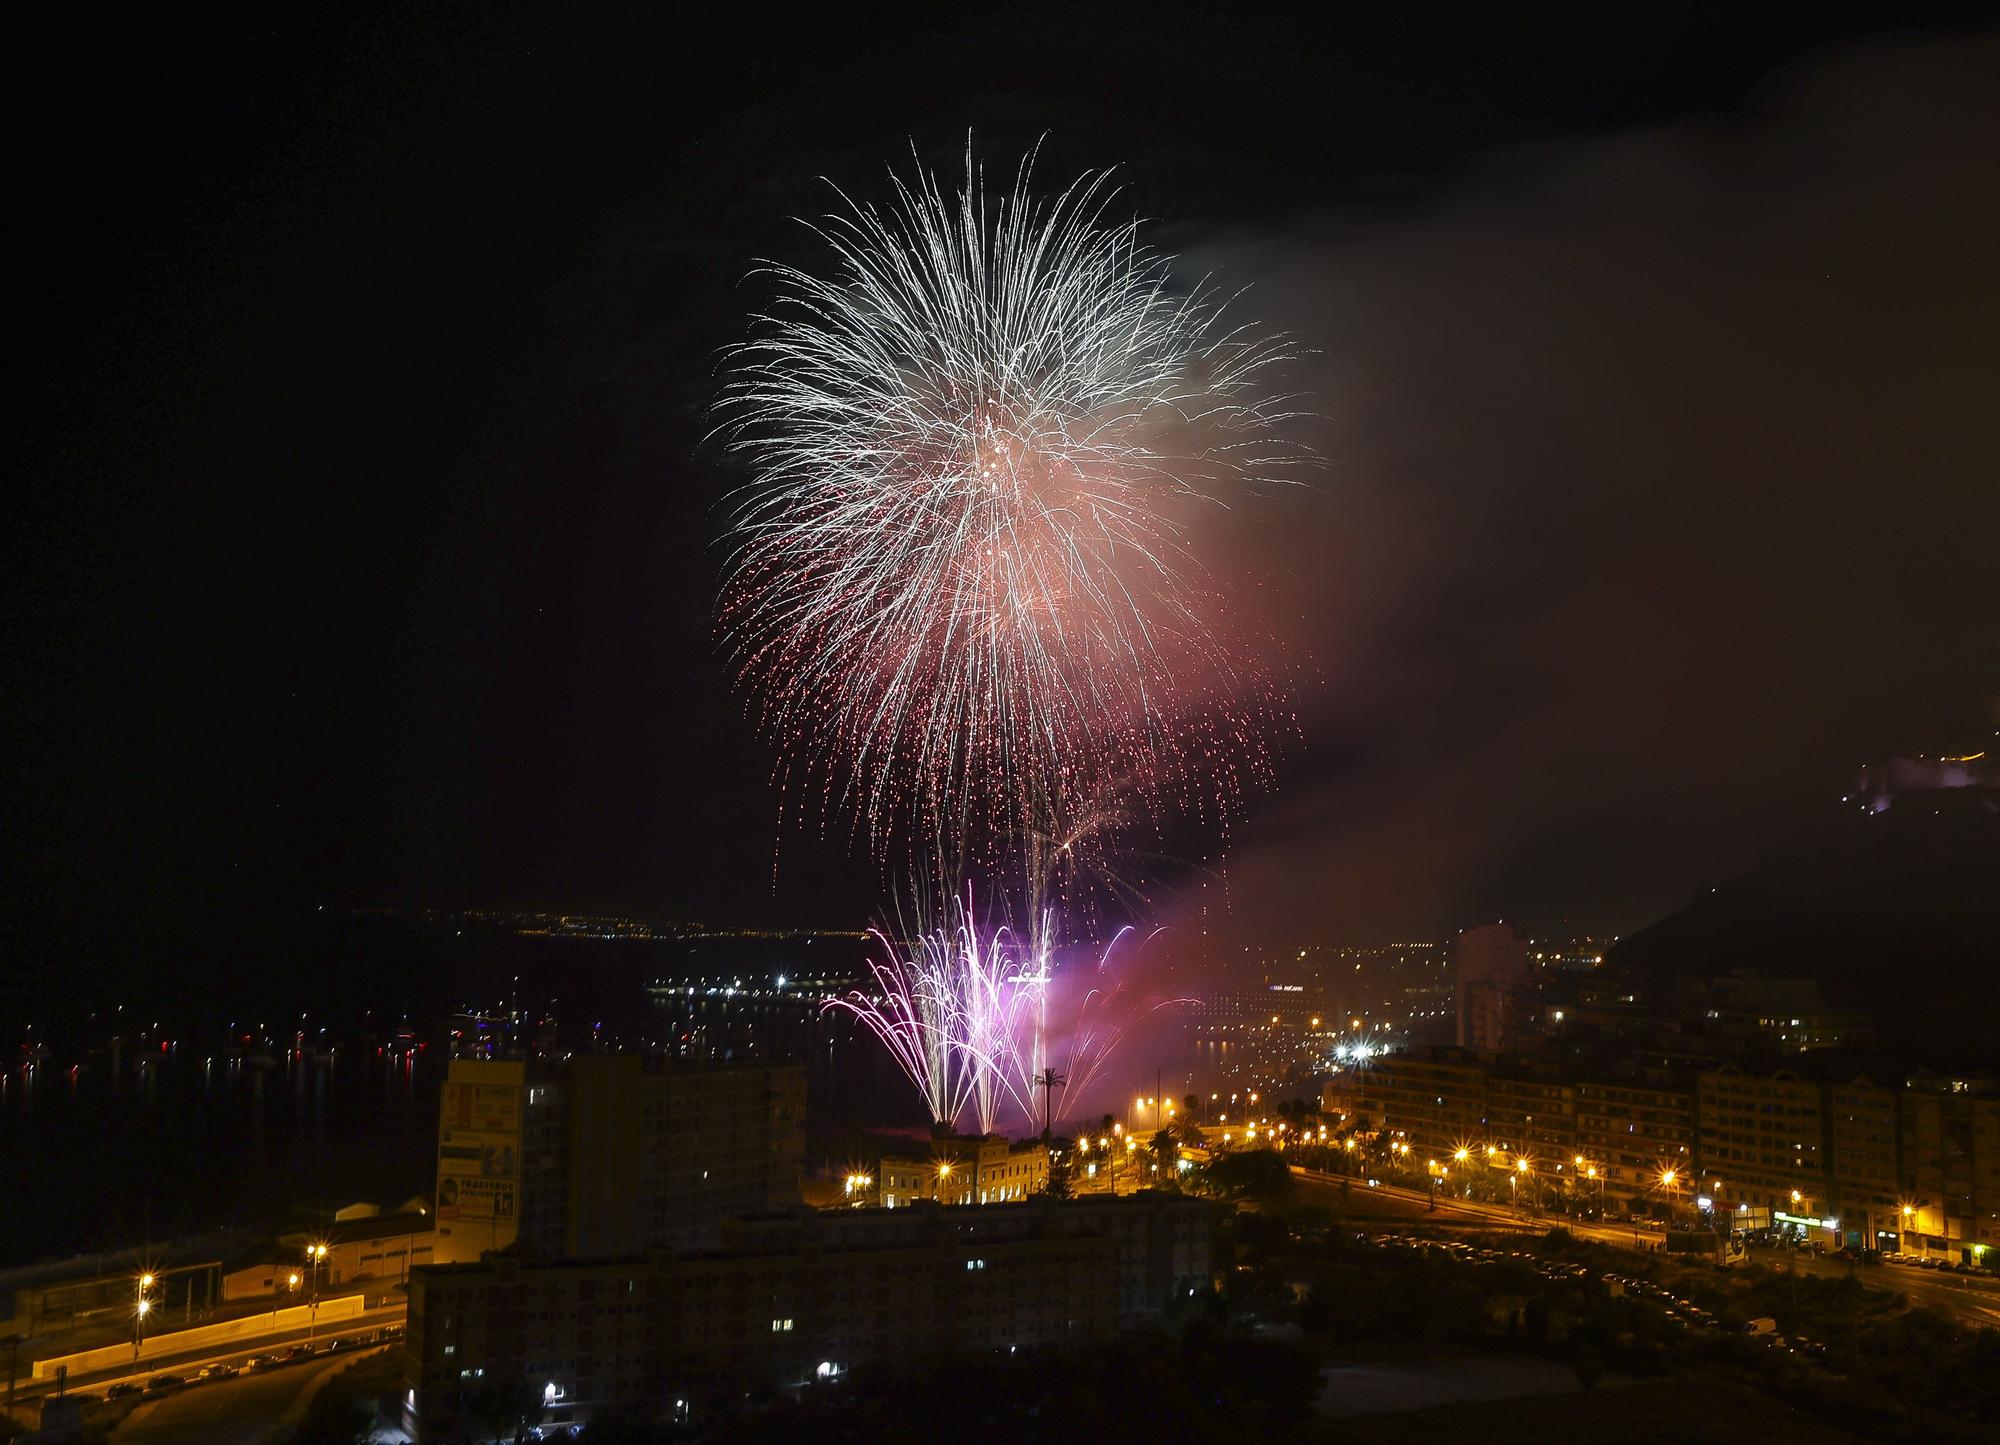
{"points": [[1975, 1302], [247, 1410], [1394, 1201]]}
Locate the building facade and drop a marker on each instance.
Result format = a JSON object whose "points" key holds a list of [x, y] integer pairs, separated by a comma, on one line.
{"points": [[612, 1154], [1493, 987], [790, 1300], [1633, 1131], [1810, 1145], [985, 1169]]}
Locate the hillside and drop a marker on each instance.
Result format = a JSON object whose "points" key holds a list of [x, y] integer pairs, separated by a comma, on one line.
{"points": [[1895, 911]]}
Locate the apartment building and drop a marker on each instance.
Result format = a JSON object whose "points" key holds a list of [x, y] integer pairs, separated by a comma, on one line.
{"points": [[790, 1300], [612, 1154], [1633, 1131]]}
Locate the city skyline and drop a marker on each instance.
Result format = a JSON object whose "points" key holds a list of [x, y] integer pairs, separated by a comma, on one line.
{"points": [[1116, 723]]}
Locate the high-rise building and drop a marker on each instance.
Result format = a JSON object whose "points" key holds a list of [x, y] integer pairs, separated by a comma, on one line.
{"points": [[1494, 976], [612, 1154], [1949, 1166], [479, 1157], [1862, 1157], [1761, 1142]]}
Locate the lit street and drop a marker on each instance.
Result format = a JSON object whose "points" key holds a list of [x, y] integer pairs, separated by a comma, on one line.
{"points": [[1975, 1301]]}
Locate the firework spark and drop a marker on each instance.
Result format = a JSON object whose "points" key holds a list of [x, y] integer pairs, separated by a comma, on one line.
{"points": [[913, 1011], [963, 591], [966, 1013]]}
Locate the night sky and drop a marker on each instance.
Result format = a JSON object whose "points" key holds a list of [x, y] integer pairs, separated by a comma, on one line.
{"points": [[363, 541]]}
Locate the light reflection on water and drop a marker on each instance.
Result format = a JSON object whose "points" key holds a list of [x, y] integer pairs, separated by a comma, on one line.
{"points": [[125, 1150]]}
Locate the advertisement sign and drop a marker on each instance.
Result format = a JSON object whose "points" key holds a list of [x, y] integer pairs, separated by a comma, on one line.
{"points": [[479, 1154]]}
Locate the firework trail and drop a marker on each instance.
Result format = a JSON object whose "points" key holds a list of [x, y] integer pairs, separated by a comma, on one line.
{"points": [[965, 1012], [962, 592], [914, 1012]]}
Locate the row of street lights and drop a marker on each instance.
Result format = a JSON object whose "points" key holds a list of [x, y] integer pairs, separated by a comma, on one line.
{"points": [[142, 1302]]}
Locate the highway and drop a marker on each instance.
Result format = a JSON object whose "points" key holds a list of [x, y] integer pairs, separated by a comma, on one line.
{"points": [[235, 1352], [247, 1410], [1975, 1302]]}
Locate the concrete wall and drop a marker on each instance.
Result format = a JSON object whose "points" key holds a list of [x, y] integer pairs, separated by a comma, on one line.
{"points": [[178, 1342]]}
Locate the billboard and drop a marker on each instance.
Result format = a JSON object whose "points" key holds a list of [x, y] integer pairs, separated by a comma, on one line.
{"points": [[479, 1153]]}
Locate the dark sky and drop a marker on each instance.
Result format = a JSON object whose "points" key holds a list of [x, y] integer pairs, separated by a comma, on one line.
{"points": [[363, 545]]}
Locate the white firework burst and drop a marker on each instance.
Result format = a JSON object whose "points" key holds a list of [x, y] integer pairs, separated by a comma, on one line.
{"points": [[962, 585]]}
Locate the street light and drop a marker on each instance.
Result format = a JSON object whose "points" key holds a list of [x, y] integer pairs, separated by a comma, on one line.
{"points": [[315, 1255], [140, 1309]]}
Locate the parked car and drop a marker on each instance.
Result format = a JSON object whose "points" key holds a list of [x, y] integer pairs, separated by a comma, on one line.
{"points": [[160, 1384], [258, 1362], [120, 1390]]}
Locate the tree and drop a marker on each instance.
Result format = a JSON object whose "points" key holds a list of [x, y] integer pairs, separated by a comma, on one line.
{"points": [[1059, 1169], [335, 1417], [503, 1407], [1316, 1313], [1253, 1173], [1167, 1154], [1589, 1366]]}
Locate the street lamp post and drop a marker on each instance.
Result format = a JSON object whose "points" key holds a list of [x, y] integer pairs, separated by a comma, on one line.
{"points": [[315, 1256], [141, 1307]]}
